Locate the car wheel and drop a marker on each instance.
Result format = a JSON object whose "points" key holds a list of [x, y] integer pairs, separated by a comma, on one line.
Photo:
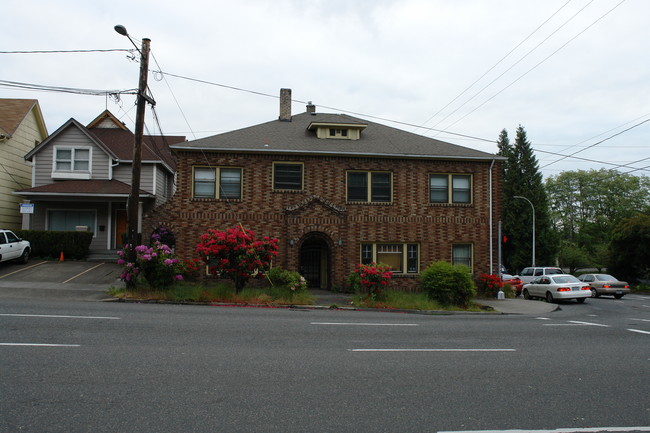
{"points": [[24, 257], [581, 300], [618, 296], [526, 294], [549, 297], [594, 293]]}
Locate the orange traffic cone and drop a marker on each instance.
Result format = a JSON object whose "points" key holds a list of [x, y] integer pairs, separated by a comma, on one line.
{"points": [[61, 257]]}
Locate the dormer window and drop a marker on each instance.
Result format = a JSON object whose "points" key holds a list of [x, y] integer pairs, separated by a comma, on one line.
{"points": [[339, 131]]}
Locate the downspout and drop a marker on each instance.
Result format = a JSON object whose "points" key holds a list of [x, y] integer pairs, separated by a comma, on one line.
{"points": [[491, 228]]}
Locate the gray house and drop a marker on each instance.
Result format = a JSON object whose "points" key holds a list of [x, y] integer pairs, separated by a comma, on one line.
{"points": [[81, 178]]}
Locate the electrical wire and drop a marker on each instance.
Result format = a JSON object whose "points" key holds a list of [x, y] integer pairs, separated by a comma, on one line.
{"points": [[538, 64], [498, 63], [44, 88], [65, 51]]}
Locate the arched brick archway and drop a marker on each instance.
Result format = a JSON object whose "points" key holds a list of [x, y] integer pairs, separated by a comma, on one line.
{"points": [[315, 260]]}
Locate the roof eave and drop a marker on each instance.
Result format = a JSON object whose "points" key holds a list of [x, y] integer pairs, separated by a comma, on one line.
{"points": [[331, 153]]}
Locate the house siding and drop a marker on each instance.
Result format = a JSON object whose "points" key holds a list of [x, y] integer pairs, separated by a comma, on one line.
{"points": [[410, 218], [123, 173], [15, 172], [71, 137]]}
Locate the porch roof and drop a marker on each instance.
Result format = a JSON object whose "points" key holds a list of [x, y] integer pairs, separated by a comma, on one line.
{"points": [[83, 188]]}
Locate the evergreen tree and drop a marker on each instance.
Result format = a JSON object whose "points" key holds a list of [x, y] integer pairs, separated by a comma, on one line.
{"points": [[521, 177]]}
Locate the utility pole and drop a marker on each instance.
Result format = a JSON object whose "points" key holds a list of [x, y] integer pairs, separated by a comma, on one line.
{"points": [[133, 203]]}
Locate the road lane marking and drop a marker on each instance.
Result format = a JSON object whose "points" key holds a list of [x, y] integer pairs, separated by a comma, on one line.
{"points": [[559, 430], [78, 275], [39, 345], [52, 316], [432, 350], [22, 269], [363, 324], [588, 323], [639, 331], [642, 320]]}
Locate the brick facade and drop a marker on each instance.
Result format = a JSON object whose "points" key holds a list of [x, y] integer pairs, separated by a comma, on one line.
{"points": [[318, 217]]}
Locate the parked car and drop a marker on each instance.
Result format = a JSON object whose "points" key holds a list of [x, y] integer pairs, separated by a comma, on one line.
{"points": [[557, 287], [514, 282], [13, 248], [527, 275], [605, 284]]}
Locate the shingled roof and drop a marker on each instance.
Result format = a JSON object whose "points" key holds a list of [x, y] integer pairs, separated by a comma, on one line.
{"points": [[100, 188], [14, 111], [294, 136]]}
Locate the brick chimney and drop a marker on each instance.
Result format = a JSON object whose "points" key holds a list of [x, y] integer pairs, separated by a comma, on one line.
{"points": [[285, 105], [311, 108]]}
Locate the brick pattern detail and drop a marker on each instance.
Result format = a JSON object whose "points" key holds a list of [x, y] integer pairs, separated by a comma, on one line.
{"points": [[321, 209]]}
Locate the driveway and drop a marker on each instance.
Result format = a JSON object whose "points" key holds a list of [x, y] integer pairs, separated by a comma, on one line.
{"points": [[67, 280]]}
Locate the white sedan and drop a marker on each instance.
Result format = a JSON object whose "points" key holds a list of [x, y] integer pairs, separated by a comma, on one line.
{"points": [[557, 288]]}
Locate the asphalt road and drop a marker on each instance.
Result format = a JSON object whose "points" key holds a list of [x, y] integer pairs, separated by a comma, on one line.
{"points": [[119, 367]]}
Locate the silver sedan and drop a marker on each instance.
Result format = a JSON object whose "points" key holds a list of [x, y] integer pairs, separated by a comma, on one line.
{"points": [[557, 287]]}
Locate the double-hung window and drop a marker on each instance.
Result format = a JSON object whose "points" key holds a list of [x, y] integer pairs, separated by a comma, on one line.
{"points": [[450, 188], [370, 186], [288, 176], [461, 254], [72, 162], [217, 182], [403, 258]]}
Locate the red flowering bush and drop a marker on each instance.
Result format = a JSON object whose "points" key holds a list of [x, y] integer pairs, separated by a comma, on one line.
{"points": [[190, 269], [489, 285], [373, 277], [237, 254]]}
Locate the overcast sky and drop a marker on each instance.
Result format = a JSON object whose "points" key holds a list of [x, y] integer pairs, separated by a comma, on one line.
{"points": [[572, 72]]}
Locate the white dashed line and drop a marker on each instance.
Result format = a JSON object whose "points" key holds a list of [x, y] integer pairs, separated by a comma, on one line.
{"points": [[363, 324], [39, 345], [51, 316]]}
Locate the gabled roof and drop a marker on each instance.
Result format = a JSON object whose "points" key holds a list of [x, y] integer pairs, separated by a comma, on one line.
{"points": [[281, 136], [14, 111], [118, 141]]}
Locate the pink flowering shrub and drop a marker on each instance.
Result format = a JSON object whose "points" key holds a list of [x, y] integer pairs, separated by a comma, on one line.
{"points": [[373, 277], [156, 264], [237, 254]]}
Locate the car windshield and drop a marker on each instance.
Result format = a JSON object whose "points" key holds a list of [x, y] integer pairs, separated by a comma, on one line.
{"points": [[605, 277], [563, 279]]}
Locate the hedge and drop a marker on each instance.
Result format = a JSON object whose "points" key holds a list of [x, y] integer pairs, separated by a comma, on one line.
{"points": [[74, 245]]}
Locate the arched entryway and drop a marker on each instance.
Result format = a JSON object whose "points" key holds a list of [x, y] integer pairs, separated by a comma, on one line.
{"points": [[315, 260]]}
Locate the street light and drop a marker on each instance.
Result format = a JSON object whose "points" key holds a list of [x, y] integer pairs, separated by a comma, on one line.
{"points": [[133, 203], [533, 207]]}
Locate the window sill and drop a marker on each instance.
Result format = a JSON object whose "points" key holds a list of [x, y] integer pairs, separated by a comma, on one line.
{"points": [[288, 191], [70, 175], [370, 203], [211, 200], [450, 204]]}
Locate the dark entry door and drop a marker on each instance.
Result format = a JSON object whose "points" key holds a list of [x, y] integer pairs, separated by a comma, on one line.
{"points": [[314, 262], [310, 269]]}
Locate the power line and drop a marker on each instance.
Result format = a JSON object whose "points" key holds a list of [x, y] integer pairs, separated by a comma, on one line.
{"points": [[496, 64], [538, 64], [66, 51], [44, 88]]}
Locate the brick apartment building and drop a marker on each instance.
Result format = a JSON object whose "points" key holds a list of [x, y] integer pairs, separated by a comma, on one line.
{"points": [[337, 191]]}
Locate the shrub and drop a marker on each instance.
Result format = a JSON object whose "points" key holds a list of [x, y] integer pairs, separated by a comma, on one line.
{"points": [[292, 280], [373, 277], [489, 285], [46, 243], [190, 269], [353, 282], [157, 265], [237, 254], [448, 284]]}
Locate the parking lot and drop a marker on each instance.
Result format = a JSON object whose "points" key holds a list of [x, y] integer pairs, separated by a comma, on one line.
{"points": [[58, 280]]}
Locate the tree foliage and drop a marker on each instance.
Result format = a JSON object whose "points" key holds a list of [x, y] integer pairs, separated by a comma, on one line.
{"points": [[237, 254], [630, 248], [522, 177], [587, 205]]}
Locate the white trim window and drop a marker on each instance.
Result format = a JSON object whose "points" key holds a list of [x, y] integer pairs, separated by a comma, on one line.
{"points": [[450, 188], [403, 258], [72, 220], [217, 182], [72, 162], [462, 254]]}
